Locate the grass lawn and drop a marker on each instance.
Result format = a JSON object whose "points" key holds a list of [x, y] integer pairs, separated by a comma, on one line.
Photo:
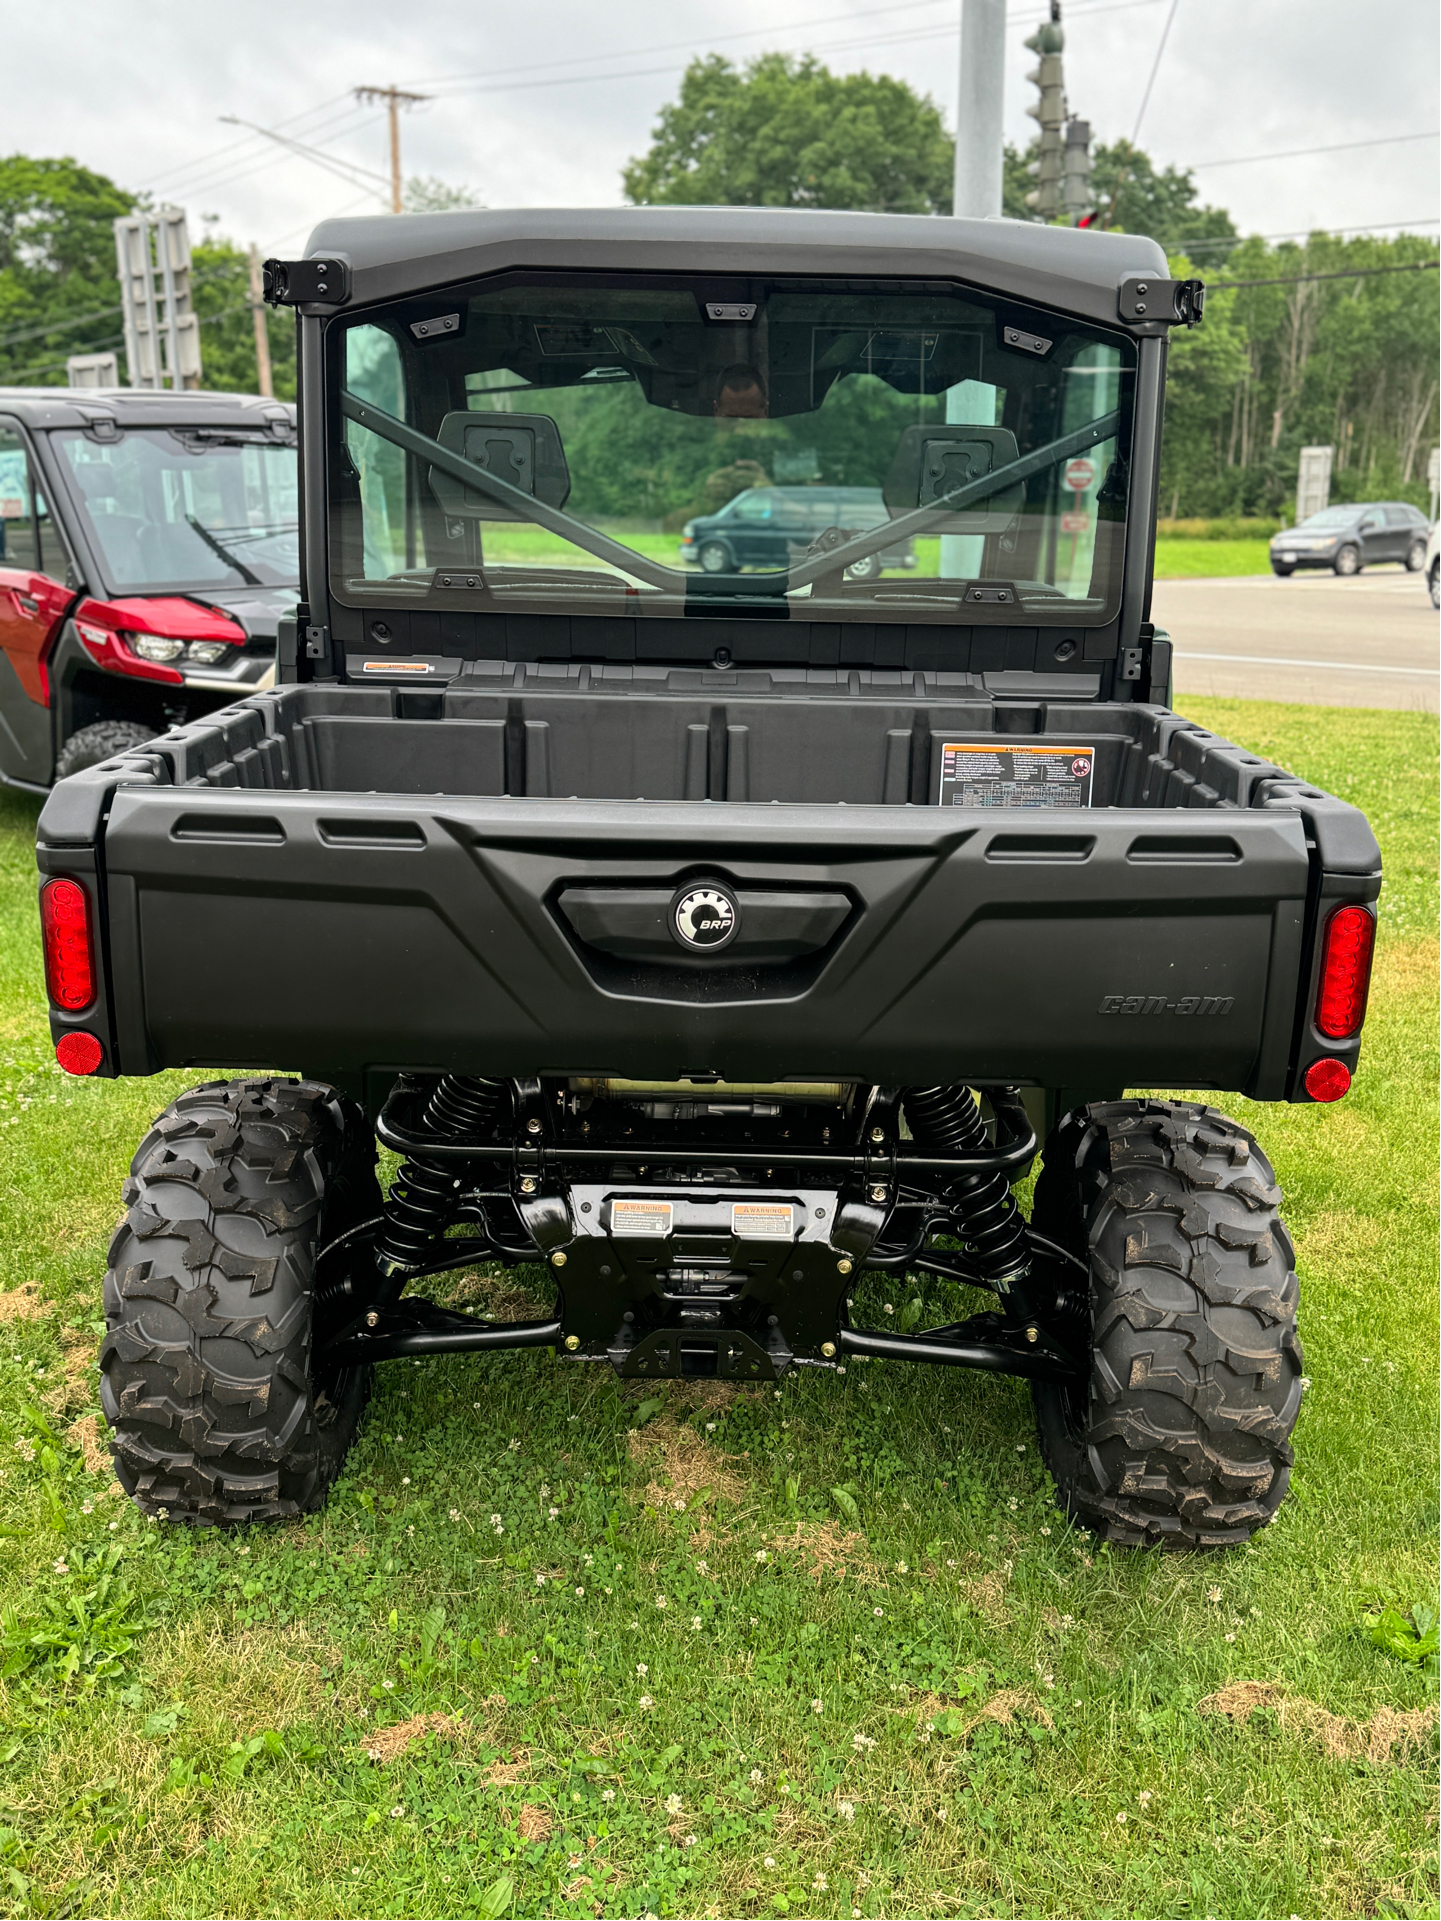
{"points": [[1180, 559], [634, 1656]]}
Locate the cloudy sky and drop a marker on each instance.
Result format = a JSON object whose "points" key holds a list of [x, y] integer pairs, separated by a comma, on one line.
{"points": [[542, 103]]}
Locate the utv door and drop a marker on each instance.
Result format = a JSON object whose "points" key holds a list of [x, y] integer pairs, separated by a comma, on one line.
{"points": [[33, 602]]}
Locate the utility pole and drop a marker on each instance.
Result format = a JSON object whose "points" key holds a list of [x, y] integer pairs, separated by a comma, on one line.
{"points": [[980, 174], [393, 99], [263, 378]]}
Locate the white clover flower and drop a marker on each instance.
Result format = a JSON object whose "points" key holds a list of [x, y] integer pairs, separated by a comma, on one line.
{"points": [[580, 1591], [641, 1669], [695, 1621], [455, 1514], [1012, 1504], [1144, 1797], [1213, 1595], [646, 1701], [901, 1568], [673, 1804], [87, 1507], [62, 1567], [762, 1555], [1123, 1818], [607, 1794], [1230, 1637], [661, 1601], [878, 1612], [397, 1811], [847, 1810], [405, 1480], [818, 1706], [820, 1884], [770, 1861], [755, 1777], [860, 1742], [889, 1308]]}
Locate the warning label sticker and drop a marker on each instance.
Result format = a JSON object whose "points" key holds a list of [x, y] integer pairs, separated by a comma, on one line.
{"points": [[982, 774], [639, 1220], [763, 1221]]}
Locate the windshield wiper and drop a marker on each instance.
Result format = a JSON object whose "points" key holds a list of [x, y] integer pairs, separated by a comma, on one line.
{"points": [[217, 547], [626, 559]]}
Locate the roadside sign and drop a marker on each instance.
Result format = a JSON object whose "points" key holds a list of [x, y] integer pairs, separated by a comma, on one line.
{"points": [[1080, 474], [1075, 523]]}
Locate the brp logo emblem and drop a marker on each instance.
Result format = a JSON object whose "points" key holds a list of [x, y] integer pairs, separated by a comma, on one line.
{"points": [[704, 919]]}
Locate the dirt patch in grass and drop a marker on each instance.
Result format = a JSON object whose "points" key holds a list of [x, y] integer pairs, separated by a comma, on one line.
{"points": [[822, 1549], [88, 1435], [78, 1350], [1339, 1738], [683, 1465], [533, 1823], [389, 1744], [505, 1774], [988, 1596], [21, 1303]]}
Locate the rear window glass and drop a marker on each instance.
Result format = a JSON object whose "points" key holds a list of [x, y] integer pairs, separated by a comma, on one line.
{"points": [[583, 443]]}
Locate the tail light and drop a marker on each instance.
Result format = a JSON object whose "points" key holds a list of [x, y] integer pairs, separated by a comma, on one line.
{"points": [[69, 951], [1345, 972]]}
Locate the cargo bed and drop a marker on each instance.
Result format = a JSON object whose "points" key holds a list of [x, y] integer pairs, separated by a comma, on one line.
{"points": [[358, 881]]}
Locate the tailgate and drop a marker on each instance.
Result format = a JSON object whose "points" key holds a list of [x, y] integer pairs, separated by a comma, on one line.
{"points": [[337, 934]]}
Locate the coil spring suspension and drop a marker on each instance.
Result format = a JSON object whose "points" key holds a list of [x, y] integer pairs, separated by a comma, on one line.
{"points": [[947, 1120], [422, 1195]]}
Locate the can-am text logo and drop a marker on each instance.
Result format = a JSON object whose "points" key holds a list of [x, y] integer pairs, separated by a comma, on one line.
{"points": [[1158, 1004]]}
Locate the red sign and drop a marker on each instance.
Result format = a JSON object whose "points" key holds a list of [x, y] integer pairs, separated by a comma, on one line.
{"points": [[1080, 474], [1075, 523]]}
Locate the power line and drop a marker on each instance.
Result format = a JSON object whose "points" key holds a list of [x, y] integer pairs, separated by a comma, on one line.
{"points": [[1301, 153], [1155, 69], [1292, 233], [1340, 273]]}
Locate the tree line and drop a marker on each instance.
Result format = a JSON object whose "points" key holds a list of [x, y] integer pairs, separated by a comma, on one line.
{"points": [[1348, 360]]}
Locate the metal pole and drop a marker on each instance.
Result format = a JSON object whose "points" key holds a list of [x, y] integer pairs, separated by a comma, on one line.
{"points": [[263, 379], [980, 165], [980, 108]]}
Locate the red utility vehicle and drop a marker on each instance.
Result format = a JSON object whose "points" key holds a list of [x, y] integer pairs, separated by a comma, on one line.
{"points": [[148, 546]]}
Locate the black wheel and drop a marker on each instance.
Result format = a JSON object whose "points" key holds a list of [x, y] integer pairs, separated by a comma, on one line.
{"points": [[1283, 573], [218, 1290], [1347, 561], [1179, 1436], [1415, 556], [1433, 581], [867, 569], [715, 558], [88, 746]]}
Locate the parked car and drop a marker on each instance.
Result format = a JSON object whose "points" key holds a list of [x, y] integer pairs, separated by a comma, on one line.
{"points": [[1433, 568], [148, 548], [1346, 539], [769, 526]]}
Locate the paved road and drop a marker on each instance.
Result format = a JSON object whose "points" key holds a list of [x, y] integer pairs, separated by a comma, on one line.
{"points": [[1366, 642]]}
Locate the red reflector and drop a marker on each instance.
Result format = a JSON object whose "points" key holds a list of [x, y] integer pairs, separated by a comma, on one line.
{"points": [[79, 1053], [1328, 1079], [65, 930], [1345, 973]]}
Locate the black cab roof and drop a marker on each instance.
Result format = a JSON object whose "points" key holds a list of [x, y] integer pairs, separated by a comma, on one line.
{"points": [[46, 407], [389, 255]]}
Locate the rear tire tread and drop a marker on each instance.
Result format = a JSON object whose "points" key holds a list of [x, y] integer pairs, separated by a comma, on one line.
{"points": [[1184, 1439], [230, 1197]]}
